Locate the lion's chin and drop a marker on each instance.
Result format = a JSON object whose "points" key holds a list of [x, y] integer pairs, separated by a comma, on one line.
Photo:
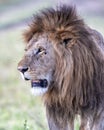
{"points": [[38, 91]]}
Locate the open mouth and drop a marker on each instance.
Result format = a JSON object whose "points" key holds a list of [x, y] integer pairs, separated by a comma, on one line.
{"points": [[43, 83]]}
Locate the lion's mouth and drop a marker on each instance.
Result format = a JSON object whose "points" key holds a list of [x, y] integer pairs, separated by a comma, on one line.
{"points": [[39, 83]]}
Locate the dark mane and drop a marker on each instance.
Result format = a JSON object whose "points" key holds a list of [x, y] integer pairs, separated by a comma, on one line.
{"points": [[82, 90], [54, 21]]}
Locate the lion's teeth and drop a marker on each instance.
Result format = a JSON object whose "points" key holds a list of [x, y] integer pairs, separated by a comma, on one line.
{"points": [[37, 80]]}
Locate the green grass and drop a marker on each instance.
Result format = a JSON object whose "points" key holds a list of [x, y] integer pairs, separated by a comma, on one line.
{"points": [[19, 110]]}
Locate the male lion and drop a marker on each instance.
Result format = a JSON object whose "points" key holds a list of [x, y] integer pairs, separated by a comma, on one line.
{"points": [[64, 60]]}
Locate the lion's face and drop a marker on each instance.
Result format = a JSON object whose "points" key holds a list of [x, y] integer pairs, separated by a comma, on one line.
{"points": [[37, 65]]}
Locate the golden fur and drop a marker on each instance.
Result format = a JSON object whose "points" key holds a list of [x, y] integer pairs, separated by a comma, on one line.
{"points": [[77, 66]]}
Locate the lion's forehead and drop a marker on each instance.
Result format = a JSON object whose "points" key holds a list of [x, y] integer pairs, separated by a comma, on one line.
{"points": [[37, 41]]}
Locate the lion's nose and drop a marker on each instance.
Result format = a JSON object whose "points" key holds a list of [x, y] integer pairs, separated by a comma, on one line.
{"points": [[22, 69]]}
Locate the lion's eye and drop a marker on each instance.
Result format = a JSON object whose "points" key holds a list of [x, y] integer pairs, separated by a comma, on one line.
{"points": [[66, 41], [40, 51]]}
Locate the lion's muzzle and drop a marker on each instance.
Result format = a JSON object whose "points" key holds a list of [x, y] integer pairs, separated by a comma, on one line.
{"points": [[43, 83]]}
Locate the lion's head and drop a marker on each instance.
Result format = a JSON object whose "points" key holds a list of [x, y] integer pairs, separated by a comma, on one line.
{"points": [[60, 56], [38, 63]]}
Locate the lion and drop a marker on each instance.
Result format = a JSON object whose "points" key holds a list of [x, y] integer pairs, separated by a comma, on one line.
{"points": [[64, 61]]}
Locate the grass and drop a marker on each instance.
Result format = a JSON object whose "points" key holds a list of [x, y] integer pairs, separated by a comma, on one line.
{"points": [[19, 110]]}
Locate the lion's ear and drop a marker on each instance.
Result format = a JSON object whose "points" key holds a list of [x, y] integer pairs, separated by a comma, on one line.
{"points": [[66, 41]]}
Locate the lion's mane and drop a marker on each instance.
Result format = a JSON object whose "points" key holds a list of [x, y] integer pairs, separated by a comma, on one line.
{"points": [[78, 86]]}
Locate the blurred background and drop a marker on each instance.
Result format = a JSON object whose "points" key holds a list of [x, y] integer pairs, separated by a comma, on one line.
{"points": [[19, 110]]}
